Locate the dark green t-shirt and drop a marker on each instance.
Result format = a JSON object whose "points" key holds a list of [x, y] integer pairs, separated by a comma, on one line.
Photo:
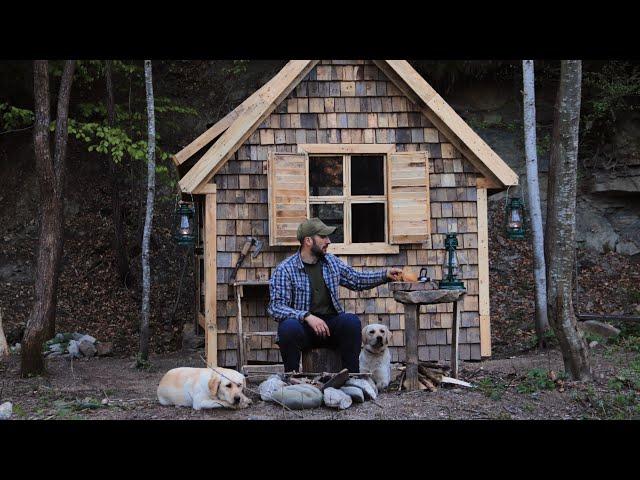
{"points": [[321, 303]]}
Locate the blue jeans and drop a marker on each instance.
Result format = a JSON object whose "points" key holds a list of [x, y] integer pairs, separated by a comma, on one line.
{"points": [[345, 329]]}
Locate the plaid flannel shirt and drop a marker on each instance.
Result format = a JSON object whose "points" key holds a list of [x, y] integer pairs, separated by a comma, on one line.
{"points": [[290, 288]]}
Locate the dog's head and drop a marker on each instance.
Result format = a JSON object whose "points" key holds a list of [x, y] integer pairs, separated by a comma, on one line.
{"points": [[375, 337], [227, 385]]}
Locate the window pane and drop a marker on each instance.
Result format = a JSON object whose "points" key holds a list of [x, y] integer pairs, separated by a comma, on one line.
{"points": [[325, 176], [367, 177], [367, 222], [333, 215]]}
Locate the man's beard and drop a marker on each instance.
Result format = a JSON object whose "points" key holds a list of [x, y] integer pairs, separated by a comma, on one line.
{"points": [[316, 250]]}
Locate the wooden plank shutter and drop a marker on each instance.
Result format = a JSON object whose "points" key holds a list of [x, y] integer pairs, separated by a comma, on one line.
{"points": [[408, 189], [288, 196]]}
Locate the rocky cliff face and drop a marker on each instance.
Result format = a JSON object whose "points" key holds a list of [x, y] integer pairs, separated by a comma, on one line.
{"points": [[608, 203]]}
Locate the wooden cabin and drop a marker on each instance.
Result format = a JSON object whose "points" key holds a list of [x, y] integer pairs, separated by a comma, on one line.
{"points": [[368, 146]]}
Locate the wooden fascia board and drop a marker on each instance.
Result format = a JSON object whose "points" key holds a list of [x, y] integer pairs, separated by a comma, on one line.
{"points": [[220, 126], [449, 122], [243, 126]]}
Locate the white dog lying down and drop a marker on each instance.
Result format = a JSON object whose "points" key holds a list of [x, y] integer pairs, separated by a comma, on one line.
{"points": [[375, 357], [203, 388]]}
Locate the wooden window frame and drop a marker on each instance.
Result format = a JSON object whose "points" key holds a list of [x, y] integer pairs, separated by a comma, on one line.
{"points": [[346, 151]]}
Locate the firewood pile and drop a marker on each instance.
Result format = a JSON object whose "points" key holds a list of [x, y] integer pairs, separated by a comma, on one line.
{"points": [[431, 376]]}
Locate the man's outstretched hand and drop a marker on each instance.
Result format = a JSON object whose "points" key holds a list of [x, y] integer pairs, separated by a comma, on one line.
{"points": [[394, 274]]}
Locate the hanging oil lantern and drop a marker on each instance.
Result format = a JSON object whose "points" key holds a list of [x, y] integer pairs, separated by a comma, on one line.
{"points": [[184, 229], [451, 267], [515, 219]]}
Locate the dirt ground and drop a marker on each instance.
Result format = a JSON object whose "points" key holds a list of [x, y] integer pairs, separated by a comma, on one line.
{"points": [[523, 387]]}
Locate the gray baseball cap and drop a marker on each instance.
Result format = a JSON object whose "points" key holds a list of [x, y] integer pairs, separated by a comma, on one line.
{"points": [[313, 226]]}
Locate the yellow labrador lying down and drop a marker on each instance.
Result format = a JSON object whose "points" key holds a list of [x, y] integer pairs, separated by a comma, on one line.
{"points": [[203, 388]]}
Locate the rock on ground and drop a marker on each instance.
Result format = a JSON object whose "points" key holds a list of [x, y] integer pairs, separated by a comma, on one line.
{"points": [[336, 398], [599, 328], [104, 348], [269, 386], [356, 394], [87, 348], [297, 397], [6, 409], [369, 388], [74, 349]]}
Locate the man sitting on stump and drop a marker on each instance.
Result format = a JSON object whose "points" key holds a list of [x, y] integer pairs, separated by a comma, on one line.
{"points": [[304, 298]]}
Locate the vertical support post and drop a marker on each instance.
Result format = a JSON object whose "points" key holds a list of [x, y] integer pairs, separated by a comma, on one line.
{"points": [[197, 274], [483, 273], [411, 312], [211, 277], [241, 354], [455, 334]]}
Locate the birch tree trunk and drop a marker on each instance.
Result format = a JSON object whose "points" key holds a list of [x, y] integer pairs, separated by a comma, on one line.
{"points": [[561, 222], [119, 239], [533, 199], [4, 346], [51, 174], [151, 188]]}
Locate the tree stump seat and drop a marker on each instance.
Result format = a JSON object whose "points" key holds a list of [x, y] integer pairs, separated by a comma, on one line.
{"points": [[318, 360]]}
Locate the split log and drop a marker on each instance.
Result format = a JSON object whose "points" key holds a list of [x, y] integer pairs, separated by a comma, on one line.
{"points": [[455, 381], [428, 385], [430, 374]]}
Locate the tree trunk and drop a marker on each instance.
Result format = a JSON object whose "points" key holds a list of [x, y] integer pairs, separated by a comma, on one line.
{"points": [[561, 221], [119, 239], [151, 179], [51, 174], [4, 346], [535, 212]]}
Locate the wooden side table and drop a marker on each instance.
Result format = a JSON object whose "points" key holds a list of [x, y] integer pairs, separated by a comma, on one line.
{"points": [[412, 295]]}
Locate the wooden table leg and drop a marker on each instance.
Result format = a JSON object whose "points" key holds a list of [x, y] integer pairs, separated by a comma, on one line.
{"points": [[411, 345], [455, 331]]}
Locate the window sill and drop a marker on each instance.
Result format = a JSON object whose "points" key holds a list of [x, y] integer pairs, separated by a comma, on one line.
{"points": [[363, 249]]}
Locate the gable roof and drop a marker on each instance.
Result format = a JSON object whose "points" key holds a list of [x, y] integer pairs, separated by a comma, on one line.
{"points": [[236, 127]]}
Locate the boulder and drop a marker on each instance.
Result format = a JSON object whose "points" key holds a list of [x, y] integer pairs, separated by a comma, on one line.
{"points": [[87, 338], [74, 349], [356, 394], [599, 328], [336, 399], [104, 348], [87, 348], [76, 336], [6, 410], [298, 397], [369, 388], [270, 385], [56, 348]]}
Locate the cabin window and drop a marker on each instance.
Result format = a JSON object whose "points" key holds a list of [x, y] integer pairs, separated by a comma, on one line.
{"points": [[348, 192], [376, 197]]}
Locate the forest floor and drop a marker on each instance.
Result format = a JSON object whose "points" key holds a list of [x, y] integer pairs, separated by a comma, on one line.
{"points": [[527, 386]]}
